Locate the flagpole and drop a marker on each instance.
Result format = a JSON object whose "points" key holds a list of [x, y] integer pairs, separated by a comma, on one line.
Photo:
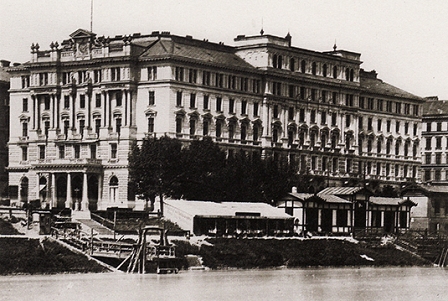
{"points": [[91, 15]]}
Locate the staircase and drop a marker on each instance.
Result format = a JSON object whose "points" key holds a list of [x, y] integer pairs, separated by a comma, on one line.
{"points": [[88, 225]]}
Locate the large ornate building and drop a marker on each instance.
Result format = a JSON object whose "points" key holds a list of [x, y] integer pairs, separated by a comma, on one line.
{"points": [[78, 107]]}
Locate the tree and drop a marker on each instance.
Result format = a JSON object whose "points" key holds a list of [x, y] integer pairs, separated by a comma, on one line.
{"points": [[156, 168]]}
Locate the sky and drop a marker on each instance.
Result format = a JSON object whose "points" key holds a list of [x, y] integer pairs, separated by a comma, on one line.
{"points": [[405, 41]]}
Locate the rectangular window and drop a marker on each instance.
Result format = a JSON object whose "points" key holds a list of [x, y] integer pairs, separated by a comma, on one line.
{"points": [[360, 122], [244, 84], [93, 151], [24, 153], [347, 120], [324, 96], [428, 143], [118, 125], [151, 125], [47, 103], [370, 124], [334, 98], [219, 104], [43, 79], [179, 98], [415, 129], [389, 106], [41, 152], [275, 113], [256, 86], [438, 158], [77, 151], [219, 80], [151, 98], [113, 151], [388, 123], [415, 110], [152, 73], [61, 151], [82, 101], [119, 99], [427, 158], [97, 76], [97, 126], [25, 129], [361, 102], [302, 115], [243, 107], [428, 126], [276, 88], [398, 107], [438, 142], [98, 100], [256, 109], [192, 76], [334, 117], [291, 113], [192, 100], [323, 117], [25, 81], [291, 90], [379, 125], [115, 74], [380, 105], [25, 104], [231, 106], [66, 101], [370, 103], [205, 104], [397, 126], [313, 116], [206, 78], [179, 76], [439, 126]]}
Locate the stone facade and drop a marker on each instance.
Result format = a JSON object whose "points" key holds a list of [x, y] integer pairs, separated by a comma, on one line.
{"points": [[77, 109]]}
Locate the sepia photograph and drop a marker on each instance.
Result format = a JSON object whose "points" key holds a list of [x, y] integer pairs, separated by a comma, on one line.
{"points": [[223, 150]]}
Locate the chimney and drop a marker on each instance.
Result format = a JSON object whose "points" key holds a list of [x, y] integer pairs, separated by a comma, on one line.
{"points": [[294, 190]]}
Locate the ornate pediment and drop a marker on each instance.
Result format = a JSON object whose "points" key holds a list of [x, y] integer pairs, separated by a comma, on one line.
{"points": [[82, 40], [82, 34]]}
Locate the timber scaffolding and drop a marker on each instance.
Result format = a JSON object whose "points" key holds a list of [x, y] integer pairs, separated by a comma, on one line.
{"points": [[144, 256]]}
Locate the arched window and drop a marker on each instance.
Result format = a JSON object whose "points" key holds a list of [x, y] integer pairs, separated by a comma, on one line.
{"points": [[352, 75], [347, 74], [279, 62], [292, 63], [243, 131], [303, 66], [314, 68], [324, 70], [218, 128], [113, 189], [335, 72], [274, 61]]}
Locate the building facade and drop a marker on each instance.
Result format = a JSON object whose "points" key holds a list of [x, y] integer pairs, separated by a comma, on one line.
{"points": [[435, 142], [4, 127], [78, 108]]}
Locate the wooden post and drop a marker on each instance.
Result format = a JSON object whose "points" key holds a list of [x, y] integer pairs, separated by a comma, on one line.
{"points": [[115, 221], [91, 241]]}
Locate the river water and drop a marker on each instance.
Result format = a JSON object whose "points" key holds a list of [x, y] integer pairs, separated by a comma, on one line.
{"points": [[277, 284]]}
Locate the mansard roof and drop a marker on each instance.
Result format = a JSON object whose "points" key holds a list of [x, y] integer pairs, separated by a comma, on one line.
{"points": [[369, 83], [181, 48], [435, 107]]}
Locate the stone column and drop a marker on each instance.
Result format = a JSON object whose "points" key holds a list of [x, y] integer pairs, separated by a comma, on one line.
{"points": [[33, 97], [54, 201], [100, 192], [126, 110], [69, 200], [105, 108], [85, 199]]}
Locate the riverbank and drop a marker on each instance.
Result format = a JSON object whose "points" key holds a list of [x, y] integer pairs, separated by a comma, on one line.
{"points": [[293, 253]]}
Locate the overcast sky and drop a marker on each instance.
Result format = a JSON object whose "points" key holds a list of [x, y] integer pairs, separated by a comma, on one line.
{"points": [[406, 42]]}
